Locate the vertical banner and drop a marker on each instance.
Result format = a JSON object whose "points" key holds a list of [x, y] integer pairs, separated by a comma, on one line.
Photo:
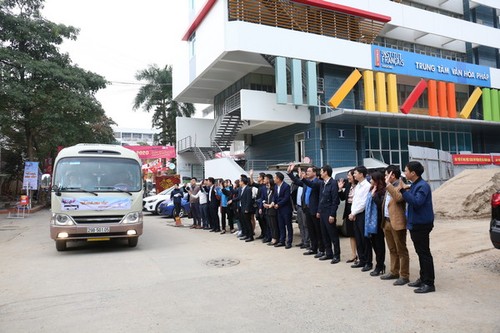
{"points": [[30, 179]]}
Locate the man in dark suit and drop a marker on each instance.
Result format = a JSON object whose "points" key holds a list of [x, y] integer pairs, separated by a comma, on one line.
{"points": [[310, 202], [283, 205], [213, 206], [327, 213], [245, 202]]}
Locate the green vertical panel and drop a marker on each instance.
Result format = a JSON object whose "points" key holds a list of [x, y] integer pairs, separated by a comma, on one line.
{"points": [[280, 72], [312, 84], [297, 96], [486, 99], [495, 105]]}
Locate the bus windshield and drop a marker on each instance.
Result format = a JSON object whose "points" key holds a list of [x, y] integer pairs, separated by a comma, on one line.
{"points": [[97, 174]]}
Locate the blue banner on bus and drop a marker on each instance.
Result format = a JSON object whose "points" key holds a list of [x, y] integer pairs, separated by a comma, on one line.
{"points": [[407, 63]]}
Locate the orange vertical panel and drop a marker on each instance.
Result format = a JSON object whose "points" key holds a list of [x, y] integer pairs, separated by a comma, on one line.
{"points": [[451, 101], [441, 95], [432, 98]]}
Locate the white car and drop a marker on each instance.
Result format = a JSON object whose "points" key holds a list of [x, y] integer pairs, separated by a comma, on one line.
{"points": [[152, 203]]}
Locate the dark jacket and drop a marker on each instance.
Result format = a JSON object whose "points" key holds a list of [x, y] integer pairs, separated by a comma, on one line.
{"points": [[246, 200], [315, 184], [282, 199], [328, 197], [177, 199], [419, 200], [344, 195], [215, 200]]}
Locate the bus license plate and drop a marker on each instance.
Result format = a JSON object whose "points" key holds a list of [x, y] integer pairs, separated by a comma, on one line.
{"points": [[96, 230]]}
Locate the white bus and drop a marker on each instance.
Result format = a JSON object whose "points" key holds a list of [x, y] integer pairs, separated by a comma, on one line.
{"points": [[96, 195]]}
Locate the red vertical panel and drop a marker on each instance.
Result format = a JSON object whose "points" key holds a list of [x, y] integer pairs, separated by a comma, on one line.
{"points": [[432, 97], [451, 100], [441, 95]]}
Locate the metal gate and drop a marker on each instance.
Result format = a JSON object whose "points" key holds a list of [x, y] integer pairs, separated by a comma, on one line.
{"points": [[438, 164]]}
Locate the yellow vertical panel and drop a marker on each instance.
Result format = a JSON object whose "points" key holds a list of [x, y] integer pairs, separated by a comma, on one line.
{"points": [[392, 93], [380, 92], [345, 88], [471, 103], [369, 90]]}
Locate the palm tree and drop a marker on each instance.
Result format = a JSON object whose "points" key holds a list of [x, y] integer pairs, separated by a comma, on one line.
{"points": [[157, 95]]}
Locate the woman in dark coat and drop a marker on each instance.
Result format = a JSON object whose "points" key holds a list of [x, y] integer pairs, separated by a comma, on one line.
{"points": [[346, 192]]}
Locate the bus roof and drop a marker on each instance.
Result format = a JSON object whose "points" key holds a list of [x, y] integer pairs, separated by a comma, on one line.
{"points": [[98, 150]]}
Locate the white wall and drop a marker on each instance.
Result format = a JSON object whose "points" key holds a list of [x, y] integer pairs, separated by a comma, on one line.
{"points": [[199, 129], [225, 168], [294, 44], [259, 105]]}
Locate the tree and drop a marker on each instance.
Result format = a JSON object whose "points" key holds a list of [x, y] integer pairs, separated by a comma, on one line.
{"points": [[45, 100], [156, 95]]}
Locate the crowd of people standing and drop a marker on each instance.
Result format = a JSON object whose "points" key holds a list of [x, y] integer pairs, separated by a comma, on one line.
{"points": [[379, 209]]}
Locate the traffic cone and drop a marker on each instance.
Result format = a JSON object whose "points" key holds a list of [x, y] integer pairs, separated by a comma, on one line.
{"points": [[178, 221]]}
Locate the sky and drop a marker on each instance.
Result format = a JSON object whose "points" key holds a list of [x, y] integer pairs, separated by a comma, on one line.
{"points": [[116, 40]]}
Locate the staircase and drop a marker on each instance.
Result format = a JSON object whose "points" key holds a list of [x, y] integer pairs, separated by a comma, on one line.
{"points": [[228, 124]]}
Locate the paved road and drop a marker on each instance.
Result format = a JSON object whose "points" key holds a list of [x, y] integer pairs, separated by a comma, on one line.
{"points": [[165, 285]]}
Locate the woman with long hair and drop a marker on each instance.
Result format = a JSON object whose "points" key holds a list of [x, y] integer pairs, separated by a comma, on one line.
{"points": [[346, 192], [373, 220]]}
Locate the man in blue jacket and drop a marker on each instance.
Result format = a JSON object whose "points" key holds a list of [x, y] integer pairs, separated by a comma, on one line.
{"points": [[283, 206], [420, 219]]}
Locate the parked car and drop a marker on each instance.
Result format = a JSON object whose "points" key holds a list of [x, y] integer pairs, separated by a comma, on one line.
{"points": [[152, 203], [495, 220], [167, 208]]}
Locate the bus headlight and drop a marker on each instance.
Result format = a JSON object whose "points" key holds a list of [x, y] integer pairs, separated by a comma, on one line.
{"points": [[133, 217], [62, 219]]}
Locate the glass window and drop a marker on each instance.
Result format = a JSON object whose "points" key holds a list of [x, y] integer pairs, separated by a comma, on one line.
{"points": [[445, 145], [468, 142], [420, 136], [384, 138], [405, 158], [453, 143], [437, 140], [428, 136], [374, 138], [387, 156], [395, 158], [404, 139], [413, 136], [367, 138], [394, 139], [461, 142]]}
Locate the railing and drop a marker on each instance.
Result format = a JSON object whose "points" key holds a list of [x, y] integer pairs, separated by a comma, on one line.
{"points": [[260, 165], [185, 143], [232, 103], [309, 19]]}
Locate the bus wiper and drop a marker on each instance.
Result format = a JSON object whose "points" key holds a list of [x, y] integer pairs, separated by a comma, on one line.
{"points": [[116, 188], [78, 189]]}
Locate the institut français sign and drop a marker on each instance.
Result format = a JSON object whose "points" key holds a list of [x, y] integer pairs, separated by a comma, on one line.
{"points": [[413, 64]]}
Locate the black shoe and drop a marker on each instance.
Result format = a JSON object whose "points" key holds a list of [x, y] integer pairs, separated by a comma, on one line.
{"points": [[244, 238], [271, 244], [358, 265], [424, 289], [213, 230], [367, 268], [249, 239], [401, 282], [325, 257], [352, 260], [377, 271], [319, 254], [309, 253], [389, 276], [335, 260], [300, 245], [417, 284], [265, 240], [279, 245], [260, 237], [288, 246], [304, 246]]}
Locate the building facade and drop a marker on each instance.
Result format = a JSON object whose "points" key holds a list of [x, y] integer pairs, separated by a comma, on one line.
{"points": [[134, 136], [339, 81]]}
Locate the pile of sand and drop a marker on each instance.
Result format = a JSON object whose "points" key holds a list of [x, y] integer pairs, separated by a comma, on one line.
{"points": [[467, 195]]}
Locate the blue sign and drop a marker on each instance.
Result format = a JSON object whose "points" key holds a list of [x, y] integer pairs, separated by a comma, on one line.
{"points": [[407, 63]]}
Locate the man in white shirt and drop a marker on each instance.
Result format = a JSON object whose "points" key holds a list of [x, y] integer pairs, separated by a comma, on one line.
{"points": [[358, 216]]}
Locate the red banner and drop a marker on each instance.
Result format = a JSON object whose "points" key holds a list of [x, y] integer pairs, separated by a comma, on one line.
{"points": [[153, 152], [496, 159], [164, 182], [471, 159]]}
